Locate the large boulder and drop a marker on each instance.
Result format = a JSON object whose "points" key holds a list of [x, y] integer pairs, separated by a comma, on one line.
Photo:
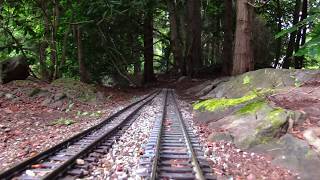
{"points": [[294, 154], [205, 87], [77, 90], [13, 69], [256, 123], [239, 86]]}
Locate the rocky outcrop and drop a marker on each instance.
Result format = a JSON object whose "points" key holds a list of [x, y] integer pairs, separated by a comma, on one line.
{"points": [[294, 154], [13, 69], [205, 87], [240, 110], [261, 79], [256, 123]]}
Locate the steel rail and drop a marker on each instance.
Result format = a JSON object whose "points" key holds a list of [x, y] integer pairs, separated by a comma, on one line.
{"points": [[157, 150], [195, 162], [86, 150], [14, 171], [158, 143]]}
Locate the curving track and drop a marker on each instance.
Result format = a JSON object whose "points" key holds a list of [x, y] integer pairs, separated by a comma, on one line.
{"points": [[173, 151], [73, 157]]}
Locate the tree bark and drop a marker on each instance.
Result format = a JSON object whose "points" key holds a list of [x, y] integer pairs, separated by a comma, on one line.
{"points": [[181, 17], [301, 36], [84, 76], [174, 35], [243, 60], [42, 61], [148, 48], [227, 37], [279, 29], [58, 72], [194, 62], [290, 48]]}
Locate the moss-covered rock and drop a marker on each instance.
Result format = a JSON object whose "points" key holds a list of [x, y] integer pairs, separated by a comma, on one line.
{"points": [[256, 123], [222, 103], [239, 86], [76, 89], [251, 107]]}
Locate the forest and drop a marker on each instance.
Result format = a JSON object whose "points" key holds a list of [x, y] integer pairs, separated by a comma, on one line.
{"points": [[160, 89], [95, 40]]}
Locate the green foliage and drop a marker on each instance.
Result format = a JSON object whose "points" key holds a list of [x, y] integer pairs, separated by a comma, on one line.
{"points": [[91, 114], [63, 121]]}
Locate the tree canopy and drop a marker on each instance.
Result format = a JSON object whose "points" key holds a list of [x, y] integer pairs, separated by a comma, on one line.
{"points": [[91, 40]]}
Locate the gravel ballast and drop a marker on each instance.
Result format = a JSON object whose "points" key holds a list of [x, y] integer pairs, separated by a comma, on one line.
{"points": [[122, 160]]}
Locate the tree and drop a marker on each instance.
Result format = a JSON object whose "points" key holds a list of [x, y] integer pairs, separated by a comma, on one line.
{"points": [[194, 62], [148, 47], [278, 18], [227, 37], [243, 53], [287, 60], [301, 36], [175, 40]]}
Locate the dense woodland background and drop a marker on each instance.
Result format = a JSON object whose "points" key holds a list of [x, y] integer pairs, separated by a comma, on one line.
{"points": [[132, 40]]}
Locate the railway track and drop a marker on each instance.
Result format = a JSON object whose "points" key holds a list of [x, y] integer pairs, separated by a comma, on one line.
{"points": [[72, 158], [173, 150]]}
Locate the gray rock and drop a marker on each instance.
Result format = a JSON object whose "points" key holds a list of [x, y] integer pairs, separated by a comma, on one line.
{"points": [[220, 137], [9, 96], [212, 116], [261, 79], [255, 128], [46, 102], [183, 79], [205, 87], [15, 68], [294, 154], [100, 96], [59, 96]]}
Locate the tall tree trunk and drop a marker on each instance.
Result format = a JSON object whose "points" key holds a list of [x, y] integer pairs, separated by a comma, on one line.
{"points": [[148, 48], [84, 76], [227, 37], [243, 60], [290, 48], [53, 36], [194, 62], [58, 72], [301, 36], [174, 36], [279, 28], [181, 17], [42, 61]]}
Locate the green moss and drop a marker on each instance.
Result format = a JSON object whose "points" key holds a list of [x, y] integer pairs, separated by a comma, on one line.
{"points": [[214, 104], [63, 121], [275, 117], [246, 80], [251, 107], [310, 154]]}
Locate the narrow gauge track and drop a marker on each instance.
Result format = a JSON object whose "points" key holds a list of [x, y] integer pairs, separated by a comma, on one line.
{"points": [[173, 150], [60, 161]]}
